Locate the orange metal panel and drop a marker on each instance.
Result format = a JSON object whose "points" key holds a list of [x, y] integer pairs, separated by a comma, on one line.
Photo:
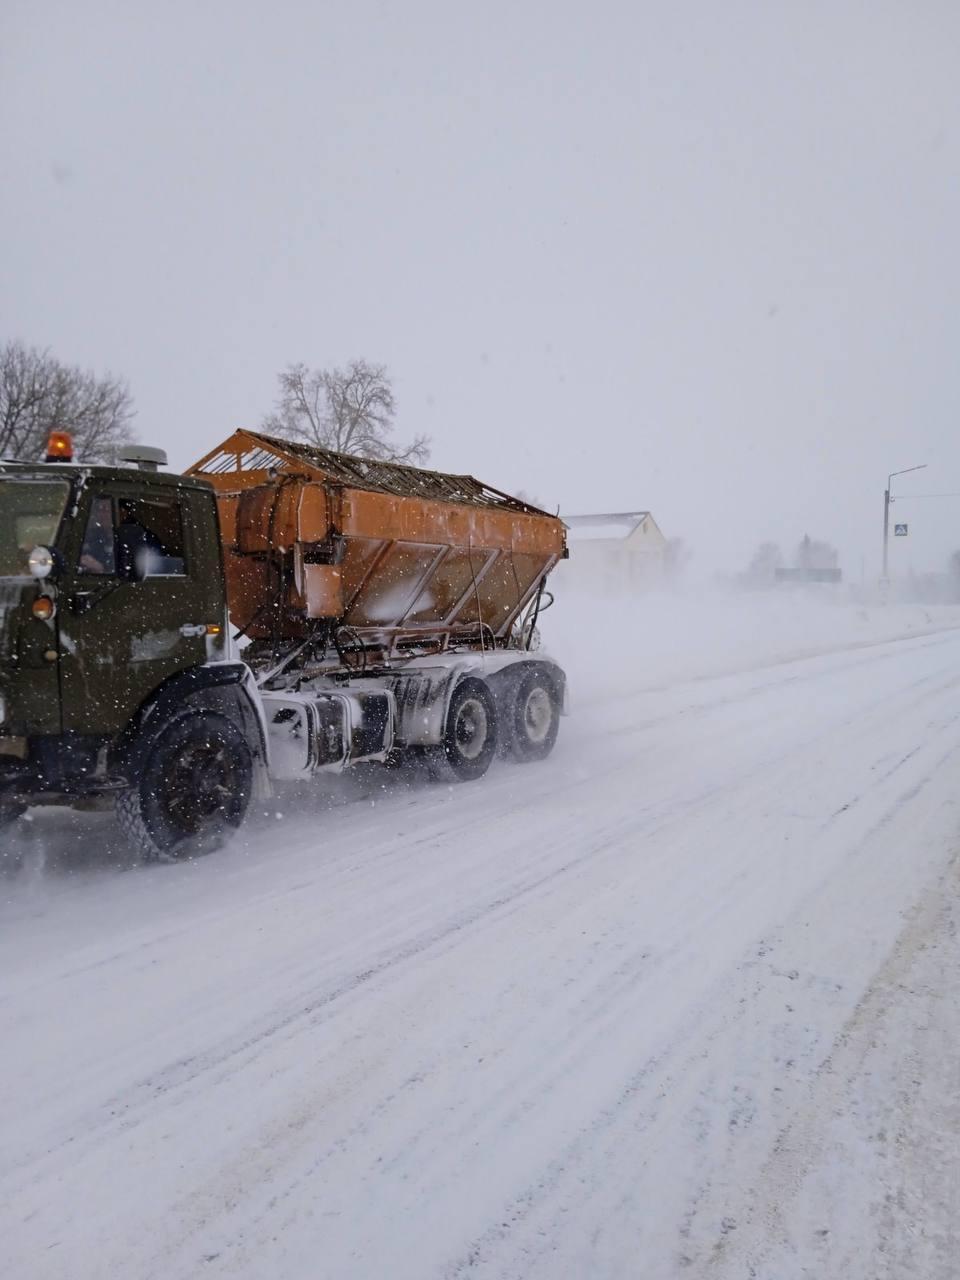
{"points": [[322, 591], [366, 515], [368, 547]]}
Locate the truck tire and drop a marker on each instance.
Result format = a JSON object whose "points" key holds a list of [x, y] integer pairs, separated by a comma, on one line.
{"points": [[469, 734], [10, 811], [192, 791], [11, 857], [535, 720]]}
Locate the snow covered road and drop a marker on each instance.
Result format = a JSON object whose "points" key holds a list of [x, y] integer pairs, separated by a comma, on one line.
{"points": [[678, 1002]]}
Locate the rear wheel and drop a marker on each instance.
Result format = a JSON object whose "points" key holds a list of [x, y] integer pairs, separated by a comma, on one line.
{"points": [[193, 789], [536, 718], [469, 734]]}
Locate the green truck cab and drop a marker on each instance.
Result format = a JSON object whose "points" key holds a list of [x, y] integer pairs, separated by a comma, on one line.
{"points": [[114, 676]]}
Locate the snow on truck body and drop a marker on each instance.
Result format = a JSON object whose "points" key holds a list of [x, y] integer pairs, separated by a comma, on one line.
{"points": [[384, 610], [410, 559]]}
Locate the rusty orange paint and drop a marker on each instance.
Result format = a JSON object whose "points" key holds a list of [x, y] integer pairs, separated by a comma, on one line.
{"points": [[308, 536]]}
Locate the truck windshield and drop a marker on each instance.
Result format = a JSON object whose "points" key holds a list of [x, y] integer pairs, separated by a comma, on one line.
{"points": [[30, 512]]}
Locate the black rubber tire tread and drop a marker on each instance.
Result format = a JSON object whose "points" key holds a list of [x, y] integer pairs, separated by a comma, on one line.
{"points": [[140, 810], [446, 761], [523, 750], [11, 856], [10, 812]]}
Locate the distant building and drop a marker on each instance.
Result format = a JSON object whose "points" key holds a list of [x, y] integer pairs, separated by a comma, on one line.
{"points": [[808, 575], [614, 552]]}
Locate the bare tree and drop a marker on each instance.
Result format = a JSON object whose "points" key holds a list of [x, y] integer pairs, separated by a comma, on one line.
{"points": [[38, 395], [349, 410], [811, 553], [953, 575], [762, 570]]}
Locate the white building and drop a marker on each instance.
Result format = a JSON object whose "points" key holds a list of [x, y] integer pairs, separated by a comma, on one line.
{"points": [[614, 552]]}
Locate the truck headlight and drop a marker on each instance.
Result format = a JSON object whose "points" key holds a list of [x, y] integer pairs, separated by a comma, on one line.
{"points": [[41, 562]]}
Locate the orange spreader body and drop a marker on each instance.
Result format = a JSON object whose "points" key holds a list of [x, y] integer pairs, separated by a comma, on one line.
{"points": [[389, 550]]}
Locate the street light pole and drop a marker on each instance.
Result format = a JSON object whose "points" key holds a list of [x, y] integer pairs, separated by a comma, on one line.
{"points": [[886, 510], [886, 527]]}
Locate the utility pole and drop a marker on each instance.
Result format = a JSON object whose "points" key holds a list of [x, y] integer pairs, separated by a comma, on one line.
{"points": [[886, 527], [886, 510]]}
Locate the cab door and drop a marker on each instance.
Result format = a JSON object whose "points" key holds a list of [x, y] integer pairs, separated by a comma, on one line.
{"points": [[121, 635]]}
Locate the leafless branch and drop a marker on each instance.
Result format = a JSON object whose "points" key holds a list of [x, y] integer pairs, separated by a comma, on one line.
{"points": [[38, 395], [348, 410]]}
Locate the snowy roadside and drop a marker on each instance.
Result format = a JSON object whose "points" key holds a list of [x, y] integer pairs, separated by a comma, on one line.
{"points": [[665, 637], [865, 1184]]}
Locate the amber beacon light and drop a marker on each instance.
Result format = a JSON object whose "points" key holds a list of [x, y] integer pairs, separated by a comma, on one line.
{"points": [[59, 447]]}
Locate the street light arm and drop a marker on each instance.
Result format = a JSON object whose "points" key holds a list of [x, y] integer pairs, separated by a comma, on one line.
{"points": [[887, 499], [906, 471]]}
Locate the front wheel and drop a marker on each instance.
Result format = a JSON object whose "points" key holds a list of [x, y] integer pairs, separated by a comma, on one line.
{"points": [[10, 812], [11, 857], [193, 789], [469, 734]]}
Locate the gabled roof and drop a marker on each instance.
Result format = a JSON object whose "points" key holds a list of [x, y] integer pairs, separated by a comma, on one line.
{"points": [[612, 525], [247, 451]]}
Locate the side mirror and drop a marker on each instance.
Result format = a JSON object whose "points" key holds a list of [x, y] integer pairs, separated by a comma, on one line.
{"points": [[43, 562]]}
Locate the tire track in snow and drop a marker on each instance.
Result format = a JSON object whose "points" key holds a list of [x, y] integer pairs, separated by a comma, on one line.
{"points": [[603, 882], [537, 1085], [659, 819], [666, 1091]]}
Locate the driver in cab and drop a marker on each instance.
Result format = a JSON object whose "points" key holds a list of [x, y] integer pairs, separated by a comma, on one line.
{"points": [[129, 551]]}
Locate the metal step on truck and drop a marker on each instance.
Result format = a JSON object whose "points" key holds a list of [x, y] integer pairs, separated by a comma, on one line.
{"points": [[172, 644]]}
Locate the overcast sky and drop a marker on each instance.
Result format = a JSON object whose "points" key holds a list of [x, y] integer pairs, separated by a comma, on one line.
{"points": [[700, 258]]}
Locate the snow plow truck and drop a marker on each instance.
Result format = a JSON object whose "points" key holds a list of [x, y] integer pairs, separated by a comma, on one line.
{"points": [[173, 644]]}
